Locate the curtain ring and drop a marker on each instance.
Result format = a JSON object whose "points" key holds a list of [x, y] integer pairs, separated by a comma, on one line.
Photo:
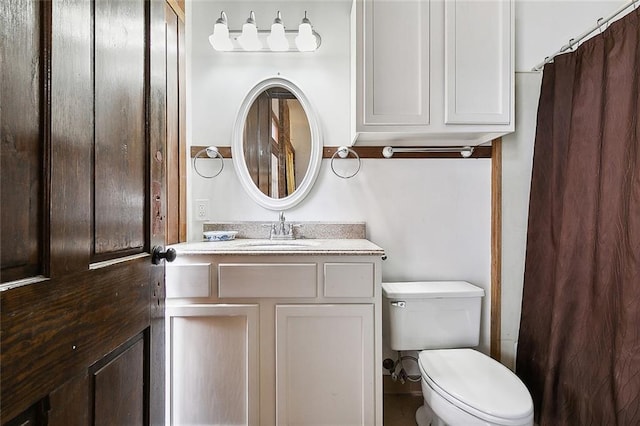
{"points": [[571, 44], [343, 152], [602, 26], [212, 152]]}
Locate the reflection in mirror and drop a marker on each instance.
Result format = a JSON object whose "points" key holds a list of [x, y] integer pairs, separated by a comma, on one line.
{"points": [[277, 142]]}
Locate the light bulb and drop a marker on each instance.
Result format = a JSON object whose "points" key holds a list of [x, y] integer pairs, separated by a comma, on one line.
{"points": [[277, 40], [249, 37], [220, 37], [306, 40]]}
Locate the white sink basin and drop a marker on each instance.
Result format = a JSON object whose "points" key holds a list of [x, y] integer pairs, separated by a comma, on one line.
{"points": [[276, 244]]}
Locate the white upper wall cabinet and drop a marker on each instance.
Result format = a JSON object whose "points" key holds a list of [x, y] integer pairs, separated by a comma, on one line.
{"points": [[437, 72], [478, 62], [396, 63]]}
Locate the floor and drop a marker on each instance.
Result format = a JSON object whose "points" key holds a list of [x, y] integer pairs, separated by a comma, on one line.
{"points": [[399, 409]]}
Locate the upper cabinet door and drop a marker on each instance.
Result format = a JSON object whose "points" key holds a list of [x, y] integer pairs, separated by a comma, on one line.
{"points": [[395, 63], [434, 72], [478, 58]]}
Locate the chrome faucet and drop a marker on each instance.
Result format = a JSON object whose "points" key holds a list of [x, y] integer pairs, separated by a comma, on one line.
{"points": [[282, 222], [282, 230]]}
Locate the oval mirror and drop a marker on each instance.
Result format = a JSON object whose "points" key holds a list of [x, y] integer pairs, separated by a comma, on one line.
{"points": [[277, 144]]}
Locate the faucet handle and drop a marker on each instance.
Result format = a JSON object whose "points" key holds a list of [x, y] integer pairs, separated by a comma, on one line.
{"points": [[272, 228], [292, 226]]}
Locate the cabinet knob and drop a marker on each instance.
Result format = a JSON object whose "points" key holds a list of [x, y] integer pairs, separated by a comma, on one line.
{"points": [[158, 253]]}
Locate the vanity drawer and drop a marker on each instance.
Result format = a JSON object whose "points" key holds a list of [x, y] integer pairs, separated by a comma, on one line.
{"points": [[257, 280], [191, 280], [348, 280]]}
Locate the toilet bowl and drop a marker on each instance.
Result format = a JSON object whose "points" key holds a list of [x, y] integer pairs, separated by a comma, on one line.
{"points": [[466, 387], [460, 386]]}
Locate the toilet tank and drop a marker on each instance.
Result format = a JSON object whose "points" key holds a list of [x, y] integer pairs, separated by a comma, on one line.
{"points": [[431, 314]]}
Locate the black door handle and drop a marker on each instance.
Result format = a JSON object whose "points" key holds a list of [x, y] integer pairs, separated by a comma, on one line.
{"points": [[158, 253]]}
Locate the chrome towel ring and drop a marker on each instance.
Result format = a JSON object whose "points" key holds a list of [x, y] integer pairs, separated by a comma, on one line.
{"points": [[212, 152], [343, 152]]}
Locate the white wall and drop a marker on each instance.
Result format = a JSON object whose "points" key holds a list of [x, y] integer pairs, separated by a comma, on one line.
{"points": [[517, 156], [544, 26], [219, 81]]}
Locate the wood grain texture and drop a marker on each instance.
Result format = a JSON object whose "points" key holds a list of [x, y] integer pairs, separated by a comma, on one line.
{"points": [[173, 129], [182, 99], [120, 142], [71, 137], [156, 216], [54, 330], [225, 151], [178, 8], [496, 248], [22, 125], [372, 152], [376, 152], [70, 402], [36, 415], [119, 393]]}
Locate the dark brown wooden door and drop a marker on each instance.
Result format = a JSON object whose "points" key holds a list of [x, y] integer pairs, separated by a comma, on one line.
{"points": [[83, 151]]}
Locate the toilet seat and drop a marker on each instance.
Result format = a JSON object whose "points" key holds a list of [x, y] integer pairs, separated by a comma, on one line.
{"points": [[478, 385]]}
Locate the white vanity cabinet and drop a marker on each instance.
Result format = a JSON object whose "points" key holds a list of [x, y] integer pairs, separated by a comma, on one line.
{"points": [[274, 339], [434, 69], [325, 372], [213, 364]]}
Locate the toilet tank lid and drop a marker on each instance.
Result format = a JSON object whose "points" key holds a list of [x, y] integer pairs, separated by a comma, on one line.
{"points": [[430, 289]]}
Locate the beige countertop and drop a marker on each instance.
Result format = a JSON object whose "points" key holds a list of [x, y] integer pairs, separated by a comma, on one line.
{"points": [[250, 246]]}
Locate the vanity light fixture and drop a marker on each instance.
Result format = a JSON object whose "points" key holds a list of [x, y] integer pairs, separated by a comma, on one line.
{"points": [[251, 39], [220, 37], [277, 41], [305, 41]]}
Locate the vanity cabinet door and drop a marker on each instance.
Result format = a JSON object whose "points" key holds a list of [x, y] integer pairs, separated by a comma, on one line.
{"points": [[213, 364], [325, 365]]}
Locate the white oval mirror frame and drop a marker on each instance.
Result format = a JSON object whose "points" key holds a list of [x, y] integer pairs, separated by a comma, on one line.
{"points": [[237, 151]]}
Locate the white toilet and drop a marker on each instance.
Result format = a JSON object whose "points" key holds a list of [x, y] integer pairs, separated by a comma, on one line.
{"points": [[460, 386]]}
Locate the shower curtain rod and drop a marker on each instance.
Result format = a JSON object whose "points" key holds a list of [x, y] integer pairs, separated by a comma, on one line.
{"points": [[575, 41]]}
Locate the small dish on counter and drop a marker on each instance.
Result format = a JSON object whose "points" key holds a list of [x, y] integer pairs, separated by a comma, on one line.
{"points": [[219, 235]]}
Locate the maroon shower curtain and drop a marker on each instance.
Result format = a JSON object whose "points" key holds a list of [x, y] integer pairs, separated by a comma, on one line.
{"points": [[579, 344]]}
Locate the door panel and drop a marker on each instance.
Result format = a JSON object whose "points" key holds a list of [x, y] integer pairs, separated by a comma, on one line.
{"points": [[69, 404], [21, 58], [120, 142], [71, 114], [122, 376]]}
